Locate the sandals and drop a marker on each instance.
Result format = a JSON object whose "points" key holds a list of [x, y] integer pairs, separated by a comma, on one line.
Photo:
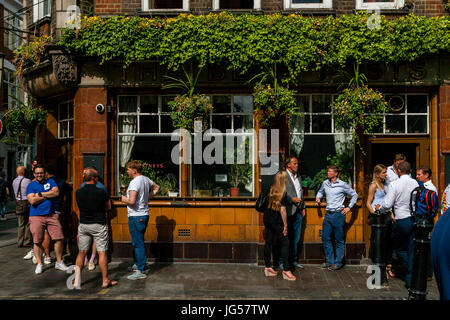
{"points": [[389, 271], [110, 283], [269, 272]]}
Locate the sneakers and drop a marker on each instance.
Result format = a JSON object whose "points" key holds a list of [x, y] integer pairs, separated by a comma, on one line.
{"points": [[91, 266], [133, 268], [137, 275], [35, 260], [334, 267], [47, 260], [3, 219], [38, 269], [60, 266], [325, 266], [29, 255], [298, 265]]}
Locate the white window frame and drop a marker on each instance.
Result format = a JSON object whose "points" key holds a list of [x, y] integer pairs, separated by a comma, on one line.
{"points": [[396, 4], [146, 6], [256, 5], [38, 9], [13, 39], [69, 121], [326, 4]]}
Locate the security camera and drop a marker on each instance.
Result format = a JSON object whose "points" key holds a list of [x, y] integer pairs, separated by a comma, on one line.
{"points": [[100, 108]]}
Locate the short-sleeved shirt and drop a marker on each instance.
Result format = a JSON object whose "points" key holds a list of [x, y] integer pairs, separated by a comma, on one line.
{"points": [[45, 207], [273, 216], [62, 189], [91, 202], [22, 193], [98, 185], [141, 184]]}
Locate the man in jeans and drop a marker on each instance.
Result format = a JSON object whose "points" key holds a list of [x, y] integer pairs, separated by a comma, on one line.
{"points": [[140, 190], [43, 217], [335, 191], [398, 198]]}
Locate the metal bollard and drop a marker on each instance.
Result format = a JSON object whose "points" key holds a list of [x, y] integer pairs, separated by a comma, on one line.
{"points": [[422, 230], [378, 242]]}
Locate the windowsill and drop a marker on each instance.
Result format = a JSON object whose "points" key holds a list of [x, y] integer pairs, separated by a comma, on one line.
{"points": [[239, 11], [386, 11], [309, 11], [163, 12], [40, 22]]}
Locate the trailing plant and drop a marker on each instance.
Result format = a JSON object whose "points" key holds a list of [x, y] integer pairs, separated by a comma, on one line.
{"points": [[30, 53], [23, 119], [359, 108], [343, 161]]}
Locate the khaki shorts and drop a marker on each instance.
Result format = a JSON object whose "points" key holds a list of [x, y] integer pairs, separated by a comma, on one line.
{"points": [[97, 231], [50, 222]]}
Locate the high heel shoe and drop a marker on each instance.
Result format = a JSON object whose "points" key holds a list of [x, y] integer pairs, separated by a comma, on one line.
{"points": [[287, 275], [269, 272]]}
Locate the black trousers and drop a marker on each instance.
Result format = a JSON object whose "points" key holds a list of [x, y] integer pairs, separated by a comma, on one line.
{"points": [[274, 232]]}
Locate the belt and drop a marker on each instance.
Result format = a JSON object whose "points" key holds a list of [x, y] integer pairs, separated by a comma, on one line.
{"points": [[331, 212]]}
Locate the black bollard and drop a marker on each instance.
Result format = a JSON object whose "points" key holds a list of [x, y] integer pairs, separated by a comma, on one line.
{"points": [[378, 243], [422, 229]]}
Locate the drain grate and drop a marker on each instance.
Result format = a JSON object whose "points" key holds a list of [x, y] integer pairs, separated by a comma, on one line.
{"points": [[184, 232]]}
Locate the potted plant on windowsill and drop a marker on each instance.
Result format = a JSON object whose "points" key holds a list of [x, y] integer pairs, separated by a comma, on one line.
{"points": [[239, 174], [204, 189], [306, 182]]}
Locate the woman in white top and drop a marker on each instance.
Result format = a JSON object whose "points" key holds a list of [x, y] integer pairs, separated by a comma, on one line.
{"points": [[377, 193]]}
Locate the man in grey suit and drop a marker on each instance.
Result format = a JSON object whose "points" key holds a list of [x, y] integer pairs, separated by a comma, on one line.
{"points": [[295, 209]]}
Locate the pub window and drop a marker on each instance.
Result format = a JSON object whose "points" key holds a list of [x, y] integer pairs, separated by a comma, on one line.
{"points": [[236, 4], [294, 4], [65, 120], [11, 91], [379, 4], [150, 5], [41, 9], [315, 127], [144, 133], [232, 119], [13, 36]]}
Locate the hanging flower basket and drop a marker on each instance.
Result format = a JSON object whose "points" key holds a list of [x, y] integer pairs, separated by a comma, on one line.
{"points": [[186, 110]]}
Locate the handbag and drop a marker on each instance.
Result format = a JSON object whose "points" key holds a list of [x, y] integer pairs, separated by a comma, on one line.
{"points": [[22, 206], [261, 202]]}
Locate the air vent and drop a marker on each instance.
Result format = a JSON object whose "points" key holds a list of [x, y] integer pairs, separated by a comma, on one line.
{"points": [[184, 233]]}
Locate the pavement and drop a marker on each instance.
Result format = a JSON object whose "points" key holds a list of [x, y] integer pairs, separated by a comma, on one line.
{"points": [[186, 281]]}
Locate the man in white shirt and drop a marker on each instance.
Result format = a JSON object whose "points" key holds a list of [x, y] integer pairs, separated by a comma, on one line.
{"points": [[398, 198], [295, 210], [392, 171], [140, 190], [423, 174], [445, 204]]}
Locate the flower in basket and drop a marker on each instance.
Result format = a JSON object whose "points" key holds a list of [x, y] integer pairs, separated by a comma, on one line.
{"points": [[186, 110]]}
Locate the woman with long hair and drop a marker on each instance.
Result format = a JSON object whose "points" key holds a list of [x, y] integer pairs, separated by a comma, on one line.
{"points": [[275, 223], [376, 195]]}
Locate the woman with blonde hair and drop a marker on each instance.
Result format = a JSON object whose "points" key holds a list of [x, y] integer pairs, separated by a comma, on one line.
{"points": [[275, 223], [377, 193]]}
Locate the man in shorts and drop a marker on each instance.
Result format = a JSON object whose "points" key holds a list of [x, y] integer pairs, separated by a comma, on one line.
{"points": [[93, 203], [43, 217]]}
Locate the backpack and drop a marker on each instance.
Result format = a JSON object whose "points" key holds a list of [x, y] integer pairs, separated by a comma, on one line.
{"points": [[426, 202]]}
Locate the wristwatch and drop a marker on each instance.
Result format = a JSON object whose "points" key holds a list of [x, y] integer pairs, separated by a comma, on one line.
{"points": [[40, 194]]}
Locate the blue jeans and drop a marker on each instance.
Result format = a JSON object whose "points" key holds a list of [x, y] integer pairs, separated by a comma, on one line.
{"points": [[333, 223], [3, 208], [403, 244], [137, 226], [294, 223]]}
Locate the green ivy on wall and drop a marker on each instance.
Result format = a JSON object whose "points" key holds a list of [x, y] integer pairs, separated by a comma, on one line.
{"points": [[240, 42]]}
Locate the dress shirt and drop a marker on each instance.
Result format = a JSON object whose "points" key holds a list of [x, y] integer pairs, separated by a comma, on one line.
{"points": [[399, 195], [429, 185], [391, 175], [445, 200], [335, 194], [296, 182]]}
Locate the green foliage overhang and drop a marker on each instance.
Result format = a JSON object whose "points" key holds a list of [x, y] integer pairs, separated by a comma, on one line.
{"points": [[240, 42]]}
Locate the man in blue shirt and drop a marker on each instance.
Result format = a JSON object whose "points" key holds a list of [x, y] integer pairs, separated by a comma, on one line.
{"points": [[335, 191], [43, 217]]}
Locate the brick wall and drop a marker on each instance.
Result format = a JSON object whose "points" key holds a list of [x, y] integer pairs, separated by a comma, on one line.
{"points": [[131, 7], [444, 126]]}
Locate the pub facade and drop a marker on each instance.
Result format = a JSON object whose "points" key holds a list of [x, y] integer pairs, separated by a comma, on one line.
{"points": [[106, 115]]}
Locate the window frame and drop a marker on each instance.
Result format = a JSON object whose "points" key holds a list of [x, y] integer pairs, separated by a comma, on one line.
{"points": [[326, 4], [9, 85], [70, 121], [216, 5], [38, 9], [16, 25], [396, 4], [145, 5]]}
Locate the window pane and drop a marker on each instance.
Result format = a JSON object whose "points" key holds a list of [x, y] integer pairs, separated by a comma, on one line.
{"points": [[321, 123], [395, 124], [236, 4], [221, 123], [221, 104], [243, 104], [166, 124], [148, 124], [165, 101], [166, 4], [417, 124], [300, 124], [127, 124], [70, 110], [417, 104], [149, 104], [63, 129], [63, 112], [243, 122], [303, 103], [128, 104], [158, 163], [396, 103], [321, 103], [70, 122], [307, 1]]}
